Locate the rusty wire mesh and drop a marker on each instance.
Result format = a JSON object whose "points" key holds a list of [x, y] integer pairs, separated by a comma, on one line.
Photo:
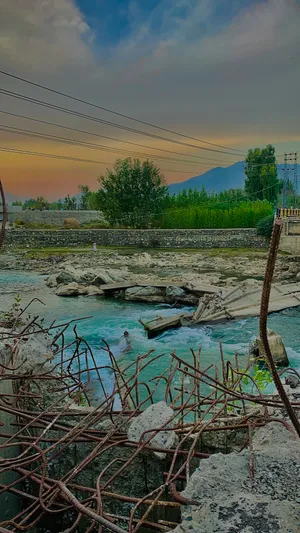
{"points": [[68, 461]]}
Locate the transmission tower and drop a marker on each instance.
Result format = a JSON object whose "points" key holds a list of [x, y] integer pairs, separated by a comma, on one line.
{"points": [[290, 169]]}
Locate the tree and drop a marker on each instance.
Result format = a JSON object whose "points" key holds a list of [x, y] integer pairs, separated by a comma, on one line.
{"points": [[262, 182], [39, 203], [17, 203], [85, 197], [70, 203], [132, 193]]}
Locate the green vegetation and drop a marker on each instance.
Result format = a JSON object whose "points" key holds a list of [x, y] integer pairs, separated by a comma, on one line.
{"points": [[262, 182], [244, 215], [132, 193], [265, 226], [35, 225]]}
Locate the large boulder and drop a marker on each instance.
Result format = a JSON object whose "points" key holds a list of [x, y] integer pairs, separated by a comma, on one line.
{"points": [[277, 348], [92, 290], [144, 294], [178, 295], [67, 275], [51, 281], [88, 276], [174, 293], [71, 289], [154, 417]]}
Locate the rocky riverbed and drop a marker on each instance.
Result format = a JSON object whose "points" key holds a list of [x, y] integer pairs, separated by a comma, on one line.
{"points": [[213, 267]]}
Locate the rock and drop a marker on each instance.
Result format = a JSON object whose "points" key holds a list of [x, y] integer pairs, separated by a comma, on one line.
{"points": [[276, 346], [100, 277], [92, 290], [250, 282], [298, 276], [293, 381], [51, 281], [35, 354], [155, 416], [174, 293], [144, 294], [71, 289], [67, 276]]}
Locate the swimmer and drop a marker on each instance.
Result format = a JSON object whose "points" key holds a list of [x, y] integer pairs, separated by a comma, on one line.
{"points": [[128, 347]]}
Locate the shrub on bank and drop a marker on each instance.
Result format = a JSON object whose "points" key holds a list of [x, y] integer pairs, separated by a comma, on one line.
{"points": [[71, 223], [265, 226]]}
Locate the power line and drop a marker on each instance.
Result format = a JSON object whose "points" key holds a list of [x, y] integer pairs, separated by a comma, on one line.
{"points": [[113, 112], [68, 158], [106, 122], [200, 158], [93, 146]]}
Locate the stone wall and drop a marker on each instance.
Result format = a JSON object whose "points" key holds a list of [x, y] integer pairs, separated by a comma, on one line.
{"points": [[175, 238], [290, 236], [53, 217]]}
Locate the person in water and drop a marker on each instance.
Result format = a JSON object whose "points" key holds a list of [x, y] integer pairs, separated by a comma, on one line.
{"points": [[126, 343]]}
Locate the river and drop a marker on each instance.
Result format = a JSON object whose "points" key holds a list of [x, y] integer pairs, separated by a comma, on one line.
{"points": [[110, 318]]}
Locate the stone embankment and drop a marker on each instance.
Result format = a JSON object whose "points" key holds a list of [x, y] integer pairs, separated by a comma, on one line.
{"points": [[53, 217], [150, 238]]}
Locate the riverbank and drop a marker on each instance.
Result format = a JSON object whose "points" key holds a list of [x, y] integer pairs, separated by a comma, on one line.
{"points": [[220, 267]]}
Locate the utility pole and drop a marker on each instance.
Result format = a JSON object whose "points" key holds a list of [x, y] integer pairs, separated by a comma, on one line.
{"points": [[290, 169]]}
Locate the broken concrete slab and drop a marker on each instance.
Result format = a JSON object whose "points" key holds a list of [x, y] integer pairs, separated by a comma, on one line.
{"points": [[231, 500], [154, 417]]}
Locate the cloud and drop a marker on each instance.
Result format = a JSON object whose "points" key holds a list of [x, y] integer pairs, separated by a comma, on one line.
{"points": [[44, 35], [225, 73]]}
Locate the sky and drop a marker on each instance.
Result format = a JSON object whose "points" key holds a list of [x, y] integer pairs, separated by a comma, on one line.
{"points": [[223, 75]]}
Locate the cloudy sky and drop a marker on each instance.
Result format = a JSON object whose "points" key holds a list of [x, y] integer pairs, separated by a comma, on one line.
{"points": [[224, 72]]}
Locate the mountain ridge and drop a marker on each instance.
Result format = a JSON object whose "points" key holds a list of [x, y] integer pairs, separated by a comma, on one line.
{"points": [[219, 179]]}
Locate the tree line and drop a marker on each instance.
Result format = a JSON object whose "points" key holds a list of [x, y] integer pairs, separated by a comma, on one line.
{"points": [[135, 194]]}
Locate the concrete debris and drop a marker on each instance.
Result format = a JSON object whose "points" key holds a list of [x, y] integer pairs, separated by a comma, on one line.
{"points": [[277, 348], [154, 417], [231, 500], [35, 354]]}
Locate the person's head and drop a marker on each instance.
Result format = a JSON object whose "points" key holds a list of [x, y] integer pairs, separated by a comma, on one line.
{"points": [[126, 334]]}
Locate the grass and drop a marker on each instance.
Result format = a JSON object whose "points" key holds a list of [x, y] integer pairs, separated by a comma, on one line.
{"points": [[212, 252]]}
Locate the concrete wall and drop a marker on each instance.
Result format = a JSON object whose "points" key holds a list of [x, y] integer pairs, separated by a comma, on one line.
{"points": [[176, 238], [290, 236], [53, 217]]}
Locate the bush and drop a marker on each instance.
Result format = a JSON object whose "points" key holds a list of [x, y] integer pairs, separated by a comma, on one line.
{"points": [[265, 226], [71, 223]]}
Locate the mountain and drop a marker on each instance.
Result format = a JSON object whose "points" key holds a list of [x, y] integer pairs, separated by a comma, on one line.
{"points": [[216, 179], [9, 198], [221, 178]]}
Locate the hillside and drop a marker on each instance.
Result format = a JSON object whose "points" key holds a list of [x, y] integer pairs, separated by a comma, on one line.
{"points": [[216, 179], [219, 179]]}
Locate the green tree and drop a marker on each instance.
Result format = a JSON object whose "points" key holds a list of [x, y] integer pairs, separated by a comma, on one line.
{"points": [[132, 193], [262, 182], [85, 197], [70, 203], [18, 203]]}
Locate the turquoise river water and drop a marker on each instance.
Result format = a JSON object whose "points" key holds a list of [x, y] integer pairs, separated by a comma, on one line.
{"points": [[111, 317]]}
